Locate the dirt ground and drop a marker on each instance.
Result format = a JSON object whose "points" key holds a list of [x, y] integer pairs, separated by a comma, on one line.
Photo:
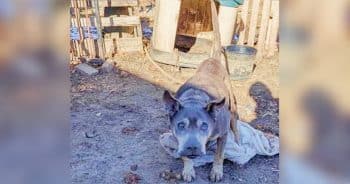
{"points": [[117, 118]]}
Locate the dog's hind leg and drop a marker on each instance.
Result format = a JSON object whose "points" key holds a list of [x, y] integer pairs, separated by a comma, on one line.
{"points": [[233, 109], [216, 173], [234, 117], [188, 173], [233, 126]]}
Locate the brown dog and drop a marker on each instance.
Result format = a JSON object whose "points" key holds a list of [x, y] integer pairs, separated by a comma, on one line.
{"points": [[203, 109]]}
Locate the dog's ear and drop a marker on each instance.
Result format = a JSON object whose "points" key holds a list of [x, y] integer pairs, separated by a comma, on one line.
{"points": [[172, 105], [216, 104]]}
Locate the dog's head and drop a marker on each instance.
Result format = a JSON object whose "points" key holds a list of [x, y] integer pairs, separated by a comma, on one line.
{"points": [[191, 124]]}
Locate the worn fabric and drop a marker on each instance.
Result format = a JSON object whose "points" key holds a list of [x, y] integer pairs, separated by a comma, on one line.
{"points": [[252, 142]]}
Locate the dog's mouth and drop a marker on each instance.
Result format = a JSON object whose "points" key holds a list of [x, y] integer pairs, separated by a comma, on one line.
{"points": [[192, 156]]}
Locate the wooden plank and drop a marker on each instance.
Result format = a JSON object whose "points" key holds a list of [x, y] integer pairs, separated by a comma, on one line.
{"points": [[165, 27], [130, 13], [263, 27], [129, 44], [194, 17], [117, 3], [274, 28], [268, 32], [110, 46], [99, 44], [227, 21], [88, 24], [80, 3], [120, 21], [77, 23], [82, 11], [244, 16], [253, 22], [91, 20]]}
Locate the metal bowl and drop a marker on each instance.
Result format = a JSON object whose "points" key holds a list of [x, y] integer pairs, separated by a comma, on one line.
{"points": [[241, 61]]}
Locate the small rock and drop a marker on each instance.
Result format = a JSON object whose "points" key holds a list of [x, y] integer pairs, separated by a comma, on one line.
{"points": [[130, 130], [91, 134], [96, 62], [170, 175], [107, 66], [82, 60], [123, 74], [133, 167], [131, 178], [86, 69]]}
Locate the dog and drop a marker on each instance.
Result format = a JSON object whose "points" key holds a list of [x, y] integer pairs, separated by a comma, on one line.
{"points": [[202, 110]]}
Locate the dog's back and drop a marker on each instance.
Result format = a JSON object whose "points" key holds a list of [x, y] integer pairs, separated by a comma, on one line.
{"points": [[210, 78]]}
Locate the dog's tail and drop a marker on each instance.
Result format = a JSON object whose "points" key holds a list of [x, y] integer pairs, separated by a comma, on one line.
{"points": [[216, 48]]}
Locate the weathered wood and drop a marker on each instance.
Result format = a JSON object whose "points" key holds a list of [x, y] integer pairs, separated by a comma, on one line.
{"points": [[268, 32], [120, 21], [99, 44], [90, 42], [129, 44], [110, 46], [263, 27], [164, 30], [166, 19], [194, 17], [274, 28], [253, 22], [227, 21], [188, 60], [244, 16], [131, 12], [82, 11], [92, 20], [117, 3], [77, 24]]}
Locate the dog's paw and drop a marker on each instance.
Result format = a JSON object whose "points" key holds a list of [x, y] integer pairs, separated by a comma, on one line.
{"points": [[188, 174], [216, 173]]}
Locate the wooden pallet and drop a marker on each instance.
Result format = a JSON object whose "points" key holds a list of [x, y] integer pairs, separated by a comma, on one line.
{"points": [[84, 18], [118, 3], [120, 21], [116, 40], [261, 24]]}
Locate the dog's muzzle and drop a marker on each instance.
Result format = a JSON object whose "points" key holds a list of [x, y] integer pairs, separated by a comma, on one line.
{"points": [[191, 152]]}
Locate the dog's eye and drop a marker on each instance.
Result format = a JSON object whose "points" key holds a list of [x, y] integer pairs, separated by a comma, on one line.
{"points": [[181, 125], [204, 126]]}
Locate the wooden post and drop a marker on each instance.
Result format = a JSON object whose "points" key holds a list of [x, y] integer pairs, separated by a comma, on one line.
{"points": [[227, 21], [77, 17], [165, 25], [263, 27], [88, 25], [253, 22], [268, 32], [274, 28], [244, 16], [100, 43], [77, 50]]}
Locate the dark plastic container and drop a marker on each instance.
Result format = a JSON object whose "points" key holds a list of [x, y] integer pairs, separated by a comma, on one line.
{"points": [[241, 61]]}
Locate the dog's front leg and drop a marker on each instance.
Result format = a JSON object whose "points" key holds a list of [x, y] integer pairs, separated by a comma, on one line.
{"points": [[188, 173], [217, 170]]}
